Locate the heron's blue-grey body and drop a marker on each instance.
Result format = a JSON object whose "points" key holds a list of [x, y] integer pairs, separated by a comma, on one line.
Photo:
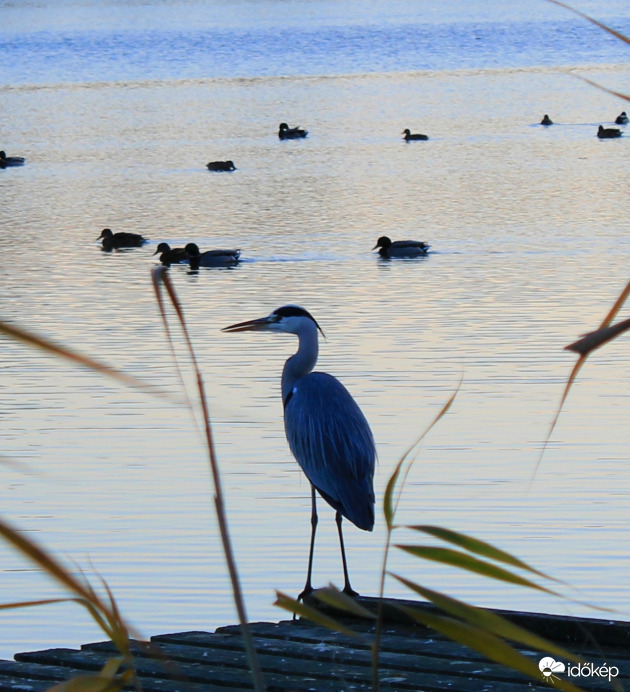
{"points": [[327, 432]]}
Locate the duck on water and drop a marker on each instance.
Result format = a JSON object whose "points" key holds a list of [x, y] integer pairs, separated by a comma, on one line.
{"points": [[286, 132], [409, 137], [171, 255], [114, 241], [7, 161], [211, 258], [401, 248]]}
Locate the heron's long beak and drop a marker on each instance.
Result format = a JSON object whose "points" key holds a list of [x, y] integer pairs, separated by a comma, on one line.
{"points": [[377, 245], [250, 325]]}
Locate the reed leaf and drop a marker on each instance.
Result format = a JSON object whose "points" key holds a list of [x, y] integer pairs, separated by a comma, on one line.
{"points": [[40, 602], [474, 545], [335, 598], [593, 340], [490, 646], [455, 558], [94, 683], [584, 349], [161, 279], [49, 346], [389, 504], [105, 614], [601, 87], [488, 621], [312, 614], [610, 30]]}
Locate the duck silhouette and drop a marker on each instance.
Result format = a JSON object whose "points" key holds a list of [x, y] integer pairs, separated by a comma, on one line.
{"points": [[400, 248], [286, 132], [409, 137], [608, 132], [113, 241], [7, 161], [211, 258], [171, 255], [221, 166]]}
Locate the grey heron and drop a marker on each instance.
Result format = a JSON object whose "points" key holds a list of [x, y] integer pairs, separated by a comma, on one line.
{"points": [[113, 241], [401, 248], [327, 432]]}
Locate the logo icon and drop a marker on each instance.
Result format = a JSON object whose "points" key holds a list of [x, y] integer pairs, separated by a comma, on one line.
{"points": [[549, 667]]}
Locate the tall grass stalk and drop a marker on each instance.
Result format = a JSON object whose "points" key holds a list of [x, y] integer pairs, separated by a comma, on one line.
{"points": [[161, 278], [118, 672], [391, 501], [584, 347]]}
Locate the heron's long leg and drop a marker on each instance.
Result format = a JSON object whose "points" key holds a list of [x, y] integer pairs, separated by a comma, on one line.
{"points": [[346, 587], [308, 587]]}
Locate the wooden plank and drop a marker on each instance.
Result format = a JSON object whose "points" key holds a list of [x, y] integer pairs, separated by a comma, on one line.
{"points": [[299, 656], [333, 665]]}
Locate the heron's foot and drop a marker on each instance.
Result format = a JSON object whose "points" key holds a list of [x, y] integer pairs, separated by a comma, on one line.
{"points": [[306, 591], [349, 591]]}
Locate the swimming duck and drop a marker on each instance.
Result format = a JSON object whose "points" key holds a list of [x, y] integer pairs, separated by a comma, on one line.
{"points": [[608, 132], [400, 248], [411, 138], [546, 120], [171, 255], [286, 132], [622, 118], [221, 166], [211, 258], [113, 241], [6, 161]]}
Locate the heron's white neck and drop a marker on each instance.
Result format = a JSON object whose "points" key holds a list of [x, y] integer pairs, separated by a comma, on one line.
{"points": [[302, 362]]}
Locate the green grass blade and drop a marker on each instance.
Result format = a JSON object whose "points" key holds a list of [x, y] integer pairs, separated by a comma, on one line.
{"points": [[493, 648], [389, 504], [310, 613], [43, 344], [455, 558], [335, 598], [488, 621], [388, 497], [474, 545]]}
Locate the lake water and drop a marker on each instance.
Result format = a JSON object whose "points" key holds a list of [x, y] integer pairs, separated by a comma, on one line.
{"points": [[118, 107]]}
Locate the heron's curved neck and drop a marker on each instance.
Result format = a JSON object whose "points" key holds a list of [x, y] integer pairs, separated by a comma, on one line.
{"points": [[302, 362]]}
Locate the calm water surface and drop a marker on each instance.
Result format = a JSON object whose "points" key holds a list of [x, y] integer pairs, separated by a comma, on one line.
{"points": [[118, 107]]}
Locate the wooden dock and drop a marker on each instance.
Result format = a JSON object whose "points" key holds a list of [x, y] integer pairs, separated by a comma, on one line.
{"points": [[297, 656]]}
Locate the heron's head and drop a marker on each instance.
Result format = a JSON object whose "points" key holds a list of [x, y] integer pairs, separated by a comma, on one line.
{"points": [[383, 242], [291, 319]]}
